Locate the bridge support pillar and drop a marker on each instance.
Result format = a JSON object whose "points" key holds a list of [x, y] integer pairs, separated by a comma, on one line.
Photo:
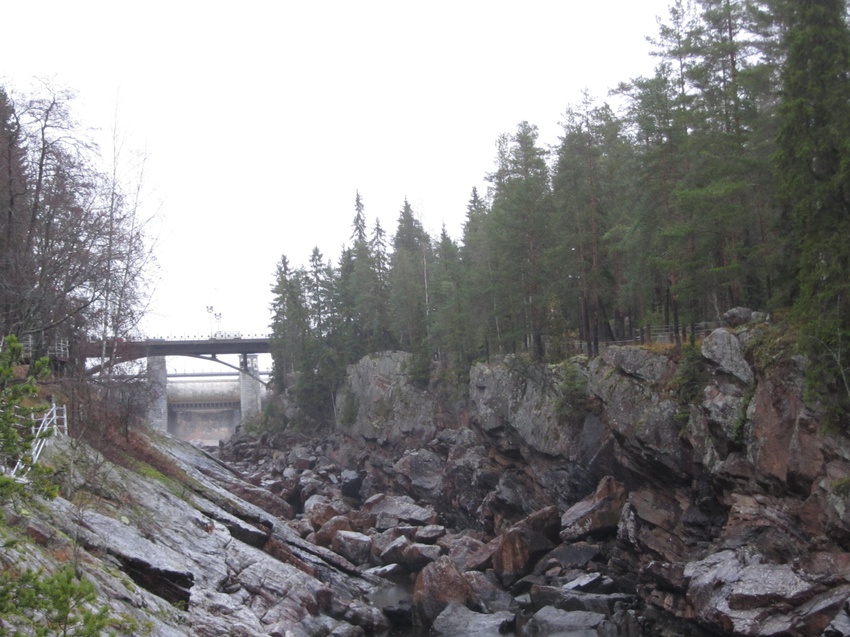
{"points": [[250, 389], [158, 379]]}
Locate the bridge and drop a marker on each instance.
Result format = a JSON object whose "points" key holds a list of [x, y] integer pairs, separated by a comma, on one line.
{"points": [[244, 396], [209, 349]]}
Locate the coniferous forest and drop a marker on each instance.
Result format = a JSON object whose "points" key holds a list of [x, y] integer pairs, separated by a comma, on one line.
{"points": [[721, 180]]}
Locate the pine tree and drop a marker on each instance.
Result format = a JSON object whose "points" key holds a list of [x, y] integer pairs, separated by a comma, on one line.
{"points": [[320, 293], [347, 329], [588, 196], [379, 313]]}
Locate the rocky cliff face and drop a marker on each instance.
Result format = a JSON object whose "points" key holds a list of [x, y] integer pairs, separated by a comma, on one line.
{"points": [[702, 480], [646, 491]]}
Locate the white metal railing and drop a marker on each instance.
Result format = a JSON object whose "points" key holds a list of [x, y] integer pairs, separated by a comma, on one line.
{"points": [[54, 421], [27, 346], [59, 349]]}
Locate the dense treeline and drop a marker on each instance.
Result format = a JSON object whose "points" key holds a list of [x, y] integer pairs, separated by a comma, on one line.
{"points": [[721, 180], [73, 252]]}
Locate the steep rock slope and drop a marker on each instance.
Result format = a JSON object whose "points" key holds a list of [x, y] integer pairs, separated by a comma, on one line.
{"points": [[701, 480], [188, 554]]}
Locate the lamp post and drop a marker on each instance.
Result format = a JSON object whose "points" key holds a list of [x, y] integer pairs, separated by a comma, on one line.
{"points": [[218, 321], [210, 312]]}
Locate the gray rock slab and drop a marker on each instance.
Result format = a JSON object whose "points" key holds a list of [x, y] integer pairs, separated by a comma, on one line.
{"points": [[723, 348], [549, 620], [457, 620]]}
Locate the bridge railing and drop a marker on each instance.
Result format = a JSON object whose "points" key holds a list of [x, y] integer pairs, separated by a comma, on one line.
{"points": [[141, 338]]}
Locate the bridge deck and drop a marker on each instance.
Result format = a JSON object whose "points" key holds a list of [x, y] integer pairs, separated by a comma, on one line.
{"points": [[131, 350]]}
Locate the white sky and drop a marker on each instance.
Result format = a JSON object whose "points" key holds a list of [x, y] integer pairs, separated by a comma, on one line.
{"points": [[260, 120]]}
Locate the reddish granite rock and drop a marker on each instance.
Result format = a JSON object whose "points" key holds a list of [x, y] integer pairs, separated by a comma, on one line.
{"points": [[319, 509], [596, 515], [439, 584], [326, 534], [517, 553], [415, 556]]}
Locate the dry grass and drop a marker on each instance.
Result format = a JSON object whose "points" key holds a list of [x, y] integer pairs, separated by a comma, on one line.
{"points": [[132, 448]]}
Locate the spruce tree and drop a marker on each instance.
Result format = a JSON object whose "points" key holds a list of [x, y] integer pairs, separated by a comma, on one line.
{"points": [[290, 325], [359, 232], [520, 228], [449, 320], [481, 295], [814, 166], [409, 300]]}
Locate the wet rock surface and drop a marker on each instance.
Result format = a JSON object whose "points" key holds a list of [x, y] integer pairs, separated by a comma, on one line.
{"points": [[638, 514], [642, 514]]}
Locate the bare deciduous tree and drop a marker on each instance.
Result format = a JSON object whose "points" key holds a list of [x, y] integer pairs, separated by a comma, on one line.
{"points": [[74, 245]]}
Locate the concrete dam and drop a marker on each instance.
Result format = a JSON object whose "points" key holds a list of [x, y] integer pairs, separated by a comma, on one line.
{"points": [[200, 408], [205, 410]]}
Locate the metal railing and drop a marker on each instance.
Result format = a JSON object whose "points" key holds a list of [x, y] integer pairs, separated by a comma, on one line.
{"points": [[654, 334], [58, 349], [54, 421]]}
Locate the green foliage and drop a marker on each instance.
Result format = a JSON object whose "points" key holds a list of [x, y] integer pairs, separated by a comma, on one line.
{"points": [[841, 487], [519, 228], [690, 379], [814, 166], [409, 290], [350, 407], [45, 605], [772, 344], [418, 366], [739, 433], [18, 405], [700, 195], [572, 401]]}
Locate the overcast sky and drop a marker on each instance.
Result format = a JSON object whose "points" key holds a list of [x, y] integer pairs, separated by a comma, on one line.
{"points": [[260, 120]]}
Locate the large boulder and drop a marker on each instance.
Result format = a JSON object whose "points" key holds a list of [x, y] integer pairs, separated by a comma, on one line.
{"points": [[326, 534], [415, 556], [723, 348], [525, 543], [457, 620], [401, 508], [653, 524], [597, 515], [553, 621], [734, 591], [439, 584], [319, 509], [643, 364], [421, 472], [354, 546]]}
